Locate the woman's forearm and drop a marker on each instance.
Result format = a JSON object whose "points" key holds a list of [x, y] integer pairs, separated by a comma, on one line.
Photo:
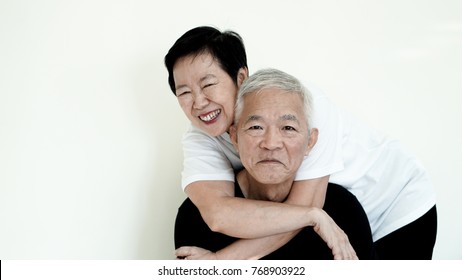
{"points": [[323, 225], [254, 249], [305, 193], [250, 219]]}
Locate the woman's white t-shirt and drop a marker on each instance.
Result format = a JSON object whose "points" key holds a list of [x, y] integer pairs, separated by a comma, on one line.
{"points": [[389, 182]]}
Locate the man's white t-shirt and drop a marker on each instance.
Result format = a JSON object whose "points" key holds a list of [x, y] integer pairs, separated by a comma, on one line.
{"points": [[390, 183]]}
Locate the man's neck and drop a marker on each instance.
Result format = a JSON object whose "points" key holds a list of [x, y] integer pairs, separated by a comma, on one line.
{"points": [[255, 190]]}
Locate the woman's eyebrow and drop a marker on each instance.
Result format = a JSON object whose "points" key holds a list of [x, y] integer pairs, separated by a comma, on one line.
{"points": [[180, 87], [206, 77]]}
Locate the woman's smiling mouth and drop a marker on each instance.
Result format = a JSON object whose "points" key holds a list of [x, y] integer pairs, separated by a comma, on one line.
{"points": [[210, 116]]}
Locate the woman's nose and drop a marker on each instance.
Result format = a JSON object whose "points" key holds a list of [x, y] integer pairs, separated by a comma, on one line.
{"points": [[200, 100]]}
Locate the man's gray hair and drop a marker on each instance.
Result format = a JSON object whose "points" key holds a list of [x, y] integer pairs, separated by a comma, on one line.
{"points": [[273, 78]]}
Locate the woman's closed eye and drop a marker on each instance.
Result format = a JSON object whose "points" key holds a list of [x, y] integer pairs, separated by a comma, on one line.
{"points": [[209, 85], [208, 89], [182, 93]]}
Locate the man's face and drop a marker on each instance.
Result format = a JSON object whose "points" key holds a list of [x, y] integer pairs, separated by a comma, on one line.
{"points": [[272, 135]]}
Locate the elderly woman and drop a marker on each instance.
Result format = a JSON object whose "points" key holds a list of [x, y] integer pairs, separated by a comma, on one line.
{"points": [[272, 133]]}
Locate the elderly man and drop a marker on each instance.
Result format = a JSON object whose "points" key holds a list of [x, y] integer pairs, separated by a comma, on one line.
{"points": [[272, 134]]}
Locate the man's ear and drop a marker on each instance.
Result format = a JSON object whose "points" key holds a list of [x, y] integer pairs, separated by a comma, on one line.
{"points": [[233, 136], [242, 74], [312, 140]]}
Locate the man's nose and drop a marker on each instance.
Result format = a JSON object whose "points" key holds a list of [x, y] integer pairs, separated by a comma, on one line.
{"points": [[271, 139]]}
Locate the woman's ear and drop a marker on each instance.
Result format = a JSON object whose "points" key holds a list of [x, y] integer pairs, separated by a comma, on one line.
{"points": [[242, 74], [312, 140]]}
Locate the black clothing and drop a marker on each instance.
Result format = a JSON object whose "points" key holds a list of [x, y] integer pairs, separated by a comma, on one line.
{"points": [[340, 204]]}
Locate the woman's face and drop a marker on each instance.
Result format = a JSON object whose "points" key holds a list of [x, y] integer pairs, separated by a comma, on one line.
{"points": [[206, 93]]}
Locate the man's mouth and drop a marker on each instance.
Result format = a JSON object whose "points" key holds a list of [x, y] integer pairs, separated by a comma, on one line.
{"points": [[210, 116], [270, 160]]}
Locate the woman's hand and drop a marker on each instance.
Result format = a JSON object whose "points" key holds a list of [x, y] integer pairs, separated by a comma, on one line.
{"points": [[194, 253], [334, 236]]}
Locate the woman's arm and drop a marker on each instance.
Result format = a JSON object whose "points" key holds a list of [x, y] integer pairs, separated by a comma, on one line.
{"points": [[303, 193], [334, 237], [244, 218]]}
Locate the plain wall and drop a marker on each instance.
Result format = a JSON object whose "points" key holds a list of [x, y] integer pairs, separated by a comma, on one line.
{"points": [[90, 134]]}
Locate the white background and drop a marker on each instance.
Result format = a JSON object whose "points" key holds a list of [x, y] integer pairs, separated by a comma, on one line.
{"points": [[90, 152]]}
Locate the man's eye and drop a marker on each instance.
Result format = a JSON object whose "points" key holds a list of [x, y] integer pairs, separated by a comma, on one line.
{"points": [[255, 127], [289, 128]]}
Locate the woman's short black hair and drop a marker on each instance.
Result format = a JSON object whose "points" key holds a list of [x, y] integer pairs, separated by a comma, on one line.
{"points": [[226, 47]]}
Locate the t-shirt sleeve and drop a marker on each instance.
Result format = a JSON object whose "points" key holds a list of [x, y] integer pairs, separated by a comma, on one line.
{"points": [[326, 156], [204, 160]]}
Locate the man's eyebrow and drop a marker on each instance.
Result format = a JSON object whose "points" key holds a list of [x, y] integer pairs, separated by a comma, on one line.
{"points": [[252, 118], [289, 117], [286, 117]]}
